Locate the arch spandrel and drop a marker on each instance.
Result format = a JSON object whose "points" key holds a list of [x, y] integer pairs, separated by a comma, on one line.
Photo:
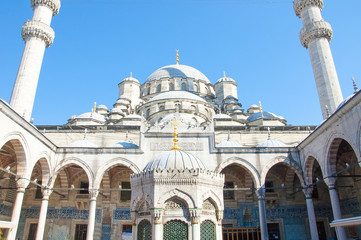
{"points": [[73, 161], [214, 198], [114, 163]]}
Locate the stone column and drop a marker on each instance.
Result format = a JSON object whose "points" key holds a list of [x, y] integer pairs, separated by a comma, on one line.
{"points": [[262, 213], [43, 211], [316, 35], [311, 213], [157, 222], [196, 229], [134, 230], [93, 194], [219, 229], [21, 185], [341, 234], [37, 35]]}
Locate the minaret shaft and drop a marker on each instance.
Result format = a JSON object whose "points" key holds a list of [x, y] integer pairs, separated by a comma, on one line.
{"points": [[315, 36], [37, 35]]}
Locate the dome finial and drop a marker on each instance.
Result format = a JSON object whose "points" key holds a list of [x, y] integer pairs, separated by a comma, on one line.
{"points": [[177, 57], [260, 108], [175, 134], [269, 133], [131, 74], [95, 107], [354, 85], [224, 74]]}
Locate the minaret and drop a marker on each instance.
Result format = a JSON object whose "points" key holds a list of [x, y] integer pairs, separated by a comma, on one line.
{"points": [[315, 35], [37, 35]]}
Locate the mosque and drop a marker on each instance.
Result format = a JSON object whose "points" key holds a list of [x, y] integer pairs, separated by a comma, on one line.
{"points": [[177, 157]]}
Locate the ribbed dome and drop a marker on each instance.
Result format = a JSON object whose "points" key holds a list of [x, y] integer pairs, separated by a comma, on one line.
{"points": [[345, 101], [272, 143], [175, 160], [125, 145], [259, 115], [228, 144], [225, 79], [177, 70], [177, 95]]}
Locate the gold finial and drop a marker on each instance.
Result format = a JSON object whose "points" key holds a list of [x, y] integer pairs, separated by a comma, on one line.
{"points": [[175, 134], [224, 74], [177, 57], [131, 74], [260, 106], [95, 107]]}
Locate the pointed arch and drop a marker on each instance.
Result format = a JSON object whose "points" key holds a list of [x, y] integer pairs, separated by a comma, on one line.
{"points": [[243, 163], [308, 167], [44, 163], [283, 160], [214, 197], [72, 161], [176, 193], [21, 149], [113, 163]]}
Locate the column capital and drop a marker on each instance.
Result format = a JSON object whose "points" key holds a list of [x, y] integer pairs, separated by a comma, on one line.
{"points": [[308, 192], [315, 30], [21, 184], [261, 193], [157, 215], [39, 30], [330, 182], [54, 5], [299, 5], [194, 214], [219, 215], [93, 194], [46, 192]]}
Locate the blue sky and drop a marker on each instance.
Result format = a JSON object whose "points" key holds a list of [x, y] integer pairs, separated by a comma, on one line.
{"points": [[99, 42]]}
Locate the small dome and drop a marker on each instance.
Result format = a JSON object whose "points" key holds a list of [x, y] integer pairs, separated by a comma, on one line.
{"points": [[254, 106], [259, 115], [83, 144], [226, 79], [177, 95], [116, 111], [91, 115], [102, 107], [125, 145], [271, 143], [177, 70], [222, 116], [228, 144], [130, 79], [175, 160], [345, 101]]}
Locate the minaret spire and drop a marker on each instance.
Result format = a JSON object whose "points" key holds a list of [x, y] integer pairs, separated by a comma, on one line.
{"points": [[354, 85], [37, 35], [315, 35]]}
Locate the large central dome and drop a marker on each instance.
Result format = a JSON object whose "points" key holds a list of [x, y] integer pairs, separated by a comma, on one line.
{"points": [[177, 70]]}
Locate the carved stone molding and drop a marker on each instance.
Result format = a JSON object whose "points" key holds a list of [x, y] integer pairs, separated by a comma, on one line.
{"points": [[54, 5], [157, 215], [299, 5], [308, 192], [46, 193], [314, 30], [39, 30], [261, 193], [93, 194], [21, 184]]}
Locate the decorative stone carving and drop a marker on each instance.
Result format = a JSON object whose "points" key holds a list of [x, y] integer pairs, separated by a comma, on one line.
{"points": [[194, 214], [93, 194], [39, 30], [207, 205], [173, 204], [308, 192], [314, 30], [261, 193], [157, 215], [299, 5], [21, 184], [46, 193], [54, 5]]}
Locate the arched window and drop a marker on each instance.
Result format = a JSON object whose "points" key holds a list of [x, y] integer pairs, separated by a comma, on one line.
{"points": [[208, 230], [171, 87], [144, 230], [147, 113], [175, 229], [148, 90], [196, 88], [159, 88], [184, 86]]}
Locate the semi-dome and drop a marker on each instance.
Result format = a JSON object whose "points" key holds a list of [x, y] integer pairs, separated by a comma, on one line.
{"points": [[259, 115], [177, 95], [175, 160], [177, 70], [83, 143], [271, 143]]}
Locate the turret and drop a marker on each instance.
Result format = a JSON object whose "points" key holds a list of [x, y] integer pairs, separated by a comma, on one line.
{"points": [[315, 35], [37, 35], [130, 88], [225, 87]]}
